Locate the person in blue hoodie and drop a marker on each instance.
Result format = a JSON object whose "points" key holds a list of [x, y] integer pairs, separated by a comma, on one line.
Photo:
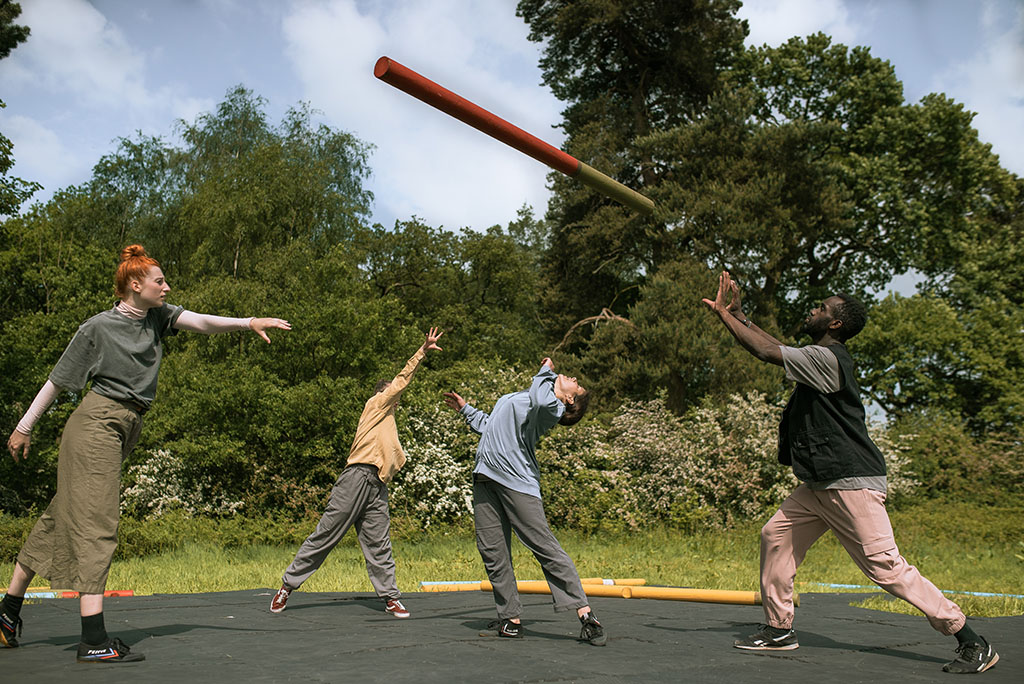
{"points": [[507, 496]]}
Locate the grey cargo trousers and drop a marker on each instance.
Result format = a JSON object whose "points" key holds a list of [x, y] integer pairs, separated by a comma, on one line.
{"points": [[359, 498], [498, 511]]}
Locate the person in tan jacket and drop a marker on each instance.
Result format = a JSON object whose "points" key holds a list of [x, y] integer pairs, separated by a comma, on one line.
{"points": [[360, 496]]}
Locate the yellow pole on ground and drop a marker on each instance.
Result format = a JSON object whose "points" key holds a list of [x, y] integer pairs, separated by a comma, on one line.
{"points": [[541, 587], [742, 598], [460, 586], [589, 582], [625, 582]]}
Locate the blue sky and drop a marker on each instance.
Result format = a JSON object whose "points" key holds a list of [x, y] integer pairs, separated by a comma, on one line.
{"points": [[94, 71]]}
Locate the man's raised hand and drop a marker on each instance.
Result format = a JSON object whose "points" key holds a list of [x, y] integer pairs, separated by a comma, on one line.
{"points": [[430, 343], [726, 296]]}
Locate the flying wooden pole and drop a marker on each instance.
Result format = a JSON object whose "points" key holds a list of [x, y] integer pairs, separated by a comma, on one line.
{"points": [[408, 81]]}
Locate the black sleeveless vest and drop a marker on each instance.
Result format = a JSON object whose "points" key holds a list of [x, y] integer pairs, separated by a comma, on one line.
{"points": [[824, 436]]}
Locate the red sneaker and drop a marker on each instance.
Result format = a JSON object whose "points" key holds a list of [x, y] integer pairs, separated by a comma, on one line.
{"points": [[280, 600], [395, 607]]}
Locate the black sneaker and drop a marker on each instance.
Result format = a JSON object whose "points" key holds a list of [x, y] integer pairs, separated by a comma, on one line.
{"points": [[111, 651], [505, 628], [9, 629], [769, 638], [972, 658], [592, 630]]}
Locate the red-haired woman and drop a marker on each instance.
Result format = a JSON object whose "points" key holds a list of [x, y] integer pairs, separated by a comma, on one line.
{"points": [[119, 352]]}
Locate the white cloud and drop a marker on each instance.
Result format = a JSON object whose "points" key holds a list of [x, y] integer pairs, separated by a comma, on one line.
{"points": [[35, 149], [76, 85], [992, 84], [427, 163], [74, 49], [776, 21]]}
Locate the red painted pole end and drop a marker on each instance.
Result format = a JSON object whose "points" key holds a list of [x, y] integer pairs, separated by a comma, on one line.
{"points": [[381, 67]]}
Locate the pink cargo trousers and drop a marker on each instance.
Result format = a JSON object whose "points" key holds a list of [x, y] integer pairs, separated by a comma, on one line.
{"points": [[859, 520]]}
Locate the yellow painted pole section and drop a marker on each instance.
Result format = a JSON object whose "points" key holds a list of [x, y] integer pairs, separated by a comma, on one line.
{"points": [[627, 582], [590, 176], [541, 587], [743, 598], [475, 586], [587, 581]]}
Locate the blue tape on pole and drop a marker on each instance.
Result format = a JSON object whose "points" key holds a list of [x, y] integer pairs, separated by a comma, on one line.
{"points": [[944, 591], [427, 584]]}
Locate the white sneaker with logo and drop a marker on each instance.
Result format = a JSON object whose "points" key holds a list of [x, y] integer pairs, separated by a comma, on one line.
{"points": [[768, 638]]}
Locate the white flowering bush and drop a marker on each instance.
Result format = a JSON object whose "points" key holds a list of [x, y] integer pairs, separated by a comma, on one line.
{"points": [[579, 484], [713, 466], [435, 486], [898, 462], [162, 483]]}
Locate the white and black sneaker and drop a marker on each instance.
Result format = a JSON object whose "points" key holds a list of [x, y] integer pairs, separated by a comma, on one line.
{"points": [[972, 658], [504, 628], [110, 651], [592, 631], [768, 638], [10, 627]]}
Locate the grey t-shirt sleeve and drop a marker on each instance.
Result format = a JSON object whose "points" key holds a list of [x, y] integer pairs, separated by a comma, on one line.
{"points": [[78, 362], [167, 316], [812, 365]]}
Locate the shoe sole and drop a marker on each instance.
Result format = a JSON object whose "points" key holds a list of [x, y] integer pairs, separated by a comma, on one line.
{"points": [[995, 659], [400, 617], [132, 658], [788, 647], [277, 610]]}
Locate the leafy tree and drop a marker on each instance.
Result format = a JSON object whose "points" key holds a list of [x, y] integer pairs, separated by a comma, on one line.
{"points": [[922, 355], [667, 340], [11, 34], [811, 176], [238, 184], [805, 174], [137, 191], [624, 69], [480, 287], [13, 191]]}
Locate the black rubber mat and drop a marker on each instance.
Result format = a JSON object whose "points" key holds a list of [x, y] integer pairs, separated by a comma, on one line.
{"points": [[233, 637]]}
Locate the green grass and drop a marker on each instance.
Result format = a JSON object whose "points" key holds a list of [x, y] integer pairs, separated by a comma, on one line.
{"points": [[975, 606], [947, 554]]}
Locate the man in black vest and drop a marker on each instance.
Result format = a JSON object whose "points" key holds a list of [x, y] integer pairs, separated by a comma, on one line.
{"points": [[843, 479]]}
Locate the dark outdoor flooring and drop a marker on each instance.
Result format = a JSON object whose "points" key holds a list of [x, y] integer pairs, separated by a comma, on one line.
{"points": [[232, 637]]}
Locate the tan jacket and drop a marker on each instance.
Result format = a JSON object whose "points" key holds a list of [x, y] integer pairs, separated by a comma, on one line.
{"points": [[376, 441]]}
